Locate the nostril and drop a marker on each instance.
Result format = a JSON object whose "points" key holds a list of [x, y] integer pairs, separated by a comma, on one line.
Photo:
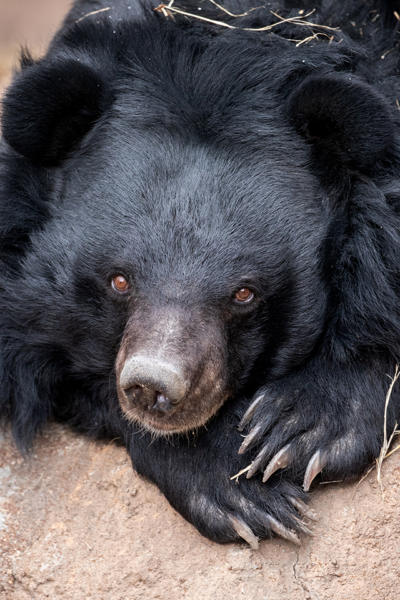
{"points": [[155, 400], [162, 404], [135, 392]]}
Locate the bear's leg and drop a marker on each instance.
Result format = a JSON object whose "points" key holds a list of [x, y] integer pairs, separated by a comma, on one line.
{"points": [[196, 474]]}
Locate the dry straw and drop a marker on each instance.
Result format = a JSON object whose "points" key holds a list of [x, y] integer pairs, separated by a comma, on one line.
{"points": [[386, 442], [168, 10]]}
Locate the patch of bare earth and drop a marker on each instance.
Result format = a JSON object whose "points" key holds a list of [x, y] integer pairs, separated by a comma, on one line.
{"points": [[76, 522]]}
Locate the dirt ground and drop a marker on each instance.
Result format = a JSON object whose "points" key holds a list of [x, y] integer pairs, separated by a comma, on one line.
{"points": [[77, 523]]}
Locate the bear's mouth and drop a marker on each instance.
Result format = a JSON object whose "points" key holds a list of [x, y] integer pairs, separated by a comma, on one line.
{"points": [[162, 417]]}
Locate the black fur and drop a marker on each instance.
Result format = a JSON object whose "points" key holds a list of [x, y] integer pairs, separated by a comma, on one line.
{"points": [[197, 159]]}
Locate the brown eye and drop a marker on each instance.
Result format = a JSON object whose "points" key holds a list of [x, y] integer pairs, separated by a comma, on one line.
{"points": [[244, 295], [120, 283]]}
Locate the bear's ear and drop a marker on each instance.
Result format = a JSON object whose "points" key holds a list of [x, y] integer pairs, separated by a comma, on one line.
{"points": [[51, 106], [347, 120]]}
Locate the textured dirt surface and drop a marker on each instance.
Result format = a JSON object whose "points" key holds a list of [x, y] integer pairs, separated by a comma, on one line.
{"points": [[77, 523]]}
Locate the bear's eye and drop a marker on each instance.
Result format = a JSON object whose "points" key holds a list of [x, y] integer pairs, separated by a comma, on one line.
{"points": [[244, 295], [120, 284]]}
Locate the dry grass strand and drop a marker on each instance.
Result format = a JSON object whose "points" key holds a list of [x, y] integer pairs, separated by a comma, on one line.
{"points": [[386, 442], [94, 12], [168, 9], [240, 473]]}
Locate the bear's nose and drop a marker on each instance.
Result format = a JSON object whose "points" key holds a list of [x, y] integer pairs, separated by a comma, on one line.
{"points": [[158, 384]]}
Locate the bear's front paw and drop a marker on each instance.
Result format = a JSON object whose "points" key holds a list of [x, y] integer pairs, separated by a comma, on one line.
{"points": [[203, 480], [238, 510], [305, 432]]}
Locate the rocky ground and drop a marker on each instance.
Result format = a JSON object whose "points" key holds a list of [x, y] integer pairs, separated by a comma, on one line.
{"points": [[77, 523]]}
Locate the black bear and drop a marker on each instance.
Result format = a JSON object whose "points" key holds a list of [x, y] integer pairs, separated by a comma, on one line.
{"points": [[200, 246]]}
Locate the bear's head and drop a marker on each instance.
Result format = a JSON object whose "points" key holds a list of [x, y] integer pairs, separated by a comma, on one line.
{"points": [[186, 240]]}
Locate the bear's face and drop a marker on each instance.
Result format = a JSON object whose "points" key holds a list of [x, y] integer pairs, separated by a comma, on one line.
{"points": [[189, 271], [189, 228]]}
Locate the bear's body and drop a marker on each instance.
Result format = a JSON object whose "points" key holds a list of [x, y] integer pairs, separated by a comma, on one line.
{"points": [[199, 226]]}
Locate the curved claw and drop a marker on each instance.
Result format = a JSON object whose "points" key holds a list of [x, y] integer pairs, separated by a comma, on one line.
{"points": [[280, 530], [303, 508], [303, 528], [280, 461], [249, 414], [249, 439], [315, 466], [244, 532], [257, 462]]}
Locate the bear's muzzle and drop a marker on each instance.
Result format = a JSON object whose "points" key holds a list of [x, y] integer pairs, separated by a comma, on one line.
{"points": [[155, 384]]}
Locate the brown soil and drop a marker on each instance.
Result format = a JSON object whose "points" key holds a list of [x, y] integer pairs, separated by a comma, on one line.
{"points": [[77, 523]]}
